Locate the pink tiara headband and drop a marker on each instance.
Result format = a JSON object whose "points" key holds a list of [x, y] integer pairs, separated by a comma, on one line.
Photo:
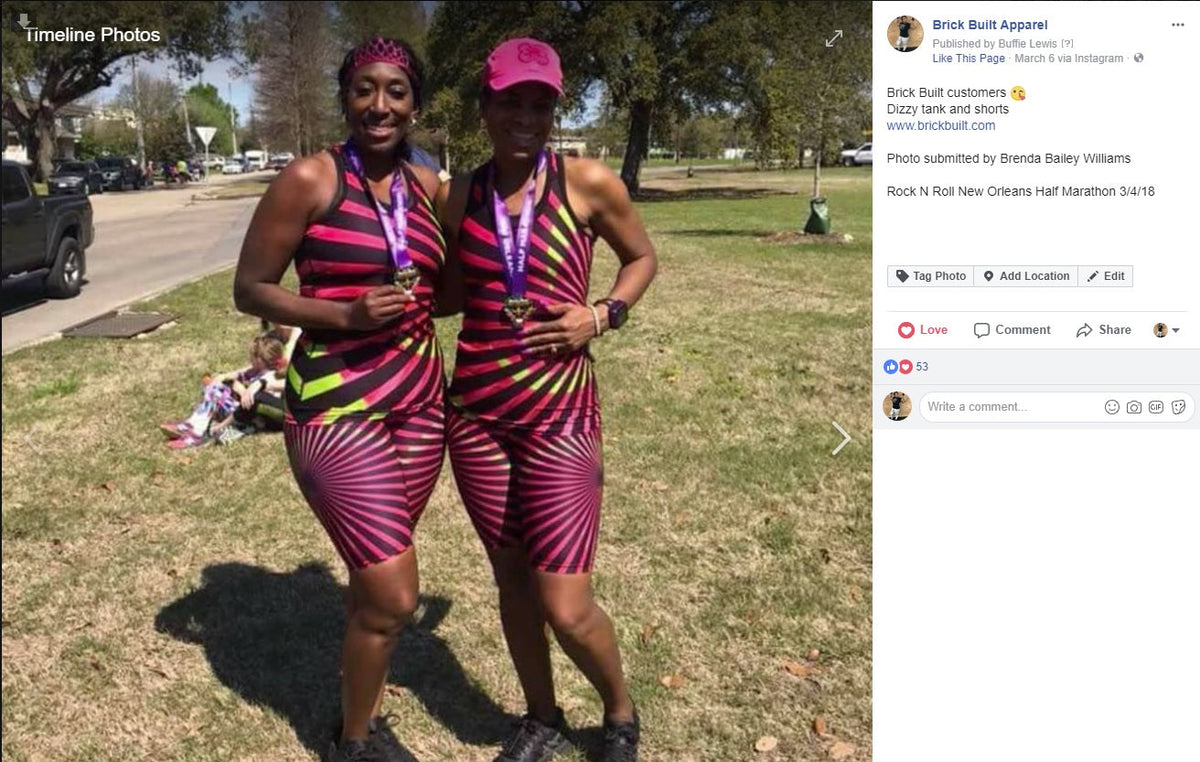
{"points": [[379, 50]]}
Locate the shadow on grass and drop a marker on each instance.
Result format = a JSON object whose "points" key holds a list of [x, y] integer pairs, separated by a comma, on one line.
{"points": [[708, 194], [275, 639]]}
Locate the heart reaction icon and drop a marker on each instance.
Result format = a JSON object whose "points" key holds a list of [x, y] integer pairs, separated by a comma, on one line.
{"points": [[907, 330], [906, 367]]}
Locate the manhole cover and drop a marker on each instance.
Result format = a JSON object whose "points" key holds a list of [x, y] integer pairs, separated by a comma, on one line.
{"points": [[119, 325]]}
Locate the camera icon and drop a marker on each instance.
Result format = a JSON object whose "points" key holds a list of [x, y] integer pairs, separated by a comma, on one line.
{"points": [[1134, 407]]}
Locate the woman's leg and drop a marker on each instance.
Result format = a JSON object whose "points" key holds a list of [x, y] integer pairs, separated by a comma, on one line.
{"points": [[483, 472], [559, 482], [524, 624], [385, 598], [352, 476], [586, 634]]}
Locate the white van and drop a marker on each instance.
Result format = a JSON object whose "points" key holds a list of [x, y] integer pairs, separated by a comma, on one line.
{"points": [[255, 160]]}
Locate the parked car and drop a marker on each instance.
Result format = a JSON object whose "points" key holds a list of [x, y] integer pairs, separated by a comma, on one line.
{"points": [[44, 234], [215, 163], [853, 157], [279, 161], [232, 168], [76, 177], [121, 173]]}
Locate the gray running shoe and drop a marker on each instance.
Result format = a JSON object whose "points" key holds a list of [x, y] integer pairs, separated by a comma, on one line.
{"points": [[352, 751], [621, 740], [384, 741], [535, 741]]}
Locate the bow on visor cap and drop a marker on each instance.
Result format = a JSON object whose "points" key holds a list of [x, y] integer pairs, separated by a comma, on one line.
{"points": [[523, 60]]}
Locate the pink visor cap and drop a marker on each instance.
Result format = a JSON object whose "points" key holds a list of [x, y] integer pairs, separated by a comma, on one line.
{"points": [[523, 60]]}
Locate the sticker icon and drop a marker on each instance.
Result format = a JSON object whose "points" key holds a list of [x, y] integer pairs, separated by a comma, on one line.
{"points": [[1178, 406]]}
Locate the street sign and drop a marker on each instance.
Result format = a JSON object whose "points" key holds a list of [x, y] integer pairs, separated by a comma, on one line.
{"points": [[206, 136]]}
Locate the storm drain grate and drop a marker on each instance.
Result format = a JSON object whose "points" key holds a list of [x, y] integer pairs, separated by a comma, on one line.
{"points": [[119, 325]]}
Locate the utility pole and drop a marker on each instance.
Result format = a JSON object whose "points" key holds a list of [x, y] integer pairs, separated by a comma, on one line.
{"points": [[137, 117], [232, 123], [187, 127]]}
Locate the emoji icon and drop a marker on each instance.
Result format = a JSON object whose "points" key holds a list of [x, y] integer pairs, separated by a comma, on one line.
{"points": [[906, 367], [906, 330], [1112, 407], [890, 367], [1018, 93]]}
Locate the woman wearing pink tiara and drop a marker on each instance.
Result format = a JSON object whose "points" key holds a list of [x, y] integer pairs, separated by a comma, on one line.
{"points": [[365, 420], [524, 415]]}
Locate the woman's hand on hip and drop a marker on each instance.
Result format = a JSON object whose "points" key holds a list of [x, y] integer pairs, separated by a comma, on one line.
{"points": [[569, 330]]}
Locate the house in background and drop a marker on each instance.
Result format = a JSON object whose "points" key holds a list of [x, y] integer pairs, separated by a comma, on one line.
{"points": [[69, 121]]}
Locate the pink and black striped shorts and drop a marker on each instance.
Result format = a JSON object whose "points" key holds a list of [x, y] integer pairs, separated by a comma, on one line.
{"points": [[369, 481], [528, 489]]}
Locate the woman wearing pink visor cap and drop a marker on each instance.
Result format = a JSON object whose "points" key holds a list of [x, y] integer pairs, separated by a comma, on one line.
{"points": [[524, 414]]}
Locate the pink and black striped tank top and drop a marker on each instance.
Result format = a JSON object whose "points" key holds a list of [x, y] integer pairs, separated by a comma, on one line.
{"points": [[493, 380], [336, 374]]}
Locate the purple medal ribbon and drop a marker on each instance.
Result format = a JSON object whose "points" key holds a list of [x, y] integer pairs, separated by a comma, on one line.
{"points": [[516, 253], [393, 220]]}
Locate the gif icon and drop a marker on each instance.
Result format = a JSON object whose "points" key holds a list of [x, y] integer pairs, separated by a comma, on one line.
{"points": [[1156, 406]]}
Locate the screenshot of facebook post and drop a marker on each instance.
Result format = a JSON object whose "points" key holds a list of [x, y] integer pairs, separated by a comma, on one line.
{"points": [[1036, 370]]}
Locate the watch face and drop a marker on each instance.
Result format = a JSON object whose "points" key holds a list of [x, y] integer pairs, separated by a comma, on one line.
{"points": [[617, 313]]}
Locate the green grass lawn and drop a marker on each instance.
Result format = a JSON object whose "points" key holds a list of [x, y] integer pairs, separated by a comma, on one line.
{"points": [[168, 606]]}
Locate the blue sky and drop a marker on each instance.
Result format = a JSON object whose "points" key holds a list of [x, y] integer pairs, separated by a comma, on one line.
{"points": [[218, 73]]}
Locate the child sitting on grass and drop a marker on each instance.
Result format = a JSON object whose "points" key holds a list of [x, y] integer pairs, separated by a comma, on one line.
{"points": [[250, 397]]}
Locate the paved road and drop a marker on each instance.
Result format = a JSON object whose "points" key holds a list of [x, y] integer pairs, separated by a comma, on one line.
{"points": [[146, 242]]}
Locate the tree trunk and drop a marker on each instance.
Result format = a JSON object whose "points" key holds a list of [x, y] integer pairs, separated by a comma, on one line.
{"points": [[817, 173], [42, 148], [637, 144]]}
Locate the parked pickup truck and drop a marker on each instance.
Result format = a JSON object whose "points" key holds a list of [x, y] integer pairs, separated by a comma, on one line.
{"points": [[44, 234]]}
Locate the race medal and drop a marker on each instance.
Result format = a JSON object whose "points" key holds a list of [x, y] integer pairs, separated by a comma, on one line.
{"points": [[406, 278], [394, 221], [517, 307]]}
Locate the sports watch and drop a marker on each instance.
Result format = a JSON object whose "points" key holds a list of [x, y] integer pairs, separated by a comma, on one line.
{"points": [[618, 312]]}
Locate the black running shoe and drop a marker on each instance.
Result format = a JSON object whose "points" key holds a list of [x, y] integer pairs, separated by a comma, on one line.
{"points": [[621, 740], [384, 741], [353, 751], [534, 741]]}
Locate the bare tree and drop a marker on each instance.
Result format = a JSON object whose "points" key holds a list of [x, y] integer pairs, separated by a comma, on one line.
{"points": [[291, 48]]}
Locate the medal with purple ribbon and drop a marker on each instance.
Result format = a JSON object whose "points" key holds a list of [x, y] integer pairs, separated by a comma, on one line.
{"points": [[516, 252], [394, 221]]}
